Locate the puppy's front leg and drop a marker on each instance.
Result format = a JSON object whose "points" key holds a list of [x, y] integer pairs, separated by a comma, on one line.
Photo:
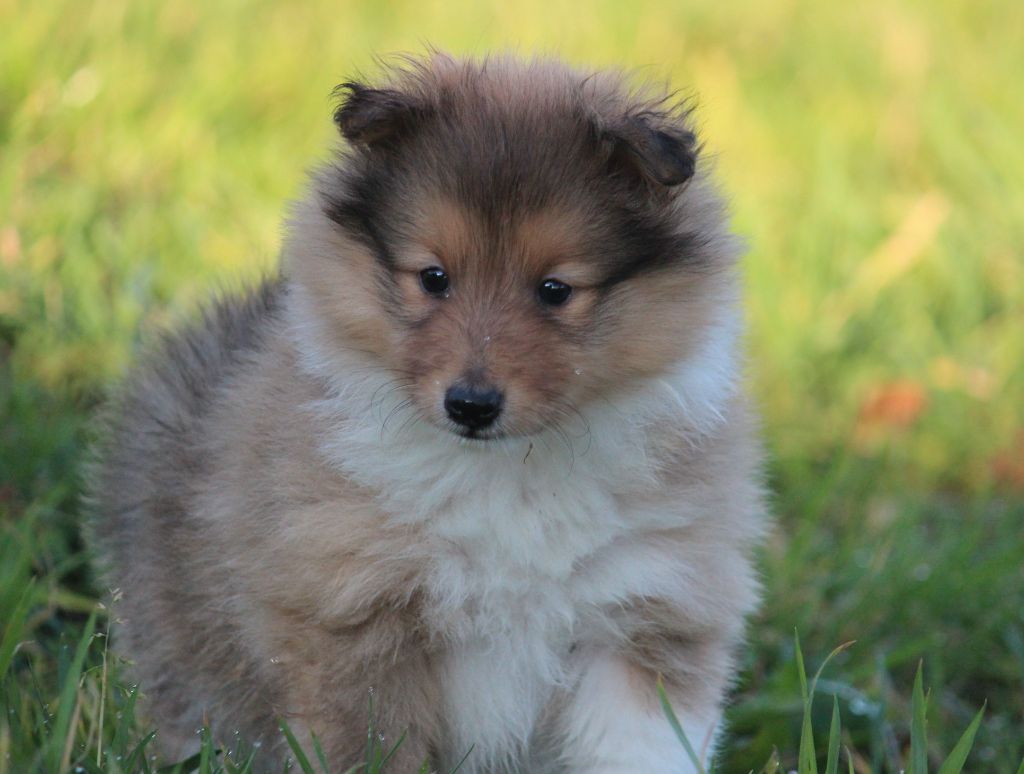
{"points": [[614, 722]]}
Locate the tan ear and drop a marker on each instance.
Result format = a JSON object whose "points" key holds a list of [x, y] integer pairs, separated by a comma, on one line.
{"points": [[371, 117]]}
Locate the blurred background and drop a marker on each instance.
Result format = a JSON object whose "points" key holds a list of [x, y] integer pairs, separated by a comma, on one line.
{"points": [[873, 159]]}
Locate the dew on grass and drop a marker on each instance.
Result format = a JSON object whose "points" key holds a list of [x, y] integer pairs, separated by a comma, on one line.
{"points": [[860, 706]]}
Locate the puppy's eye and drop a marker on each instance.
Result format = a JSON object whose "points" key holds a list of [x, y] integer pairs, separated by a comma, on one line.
{"points": [[434, 280], [554, 293]]}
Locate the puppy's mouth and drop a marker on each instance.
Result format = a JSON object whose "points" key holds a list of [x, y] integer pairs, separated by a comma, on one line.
{"points": [[478, 435]]}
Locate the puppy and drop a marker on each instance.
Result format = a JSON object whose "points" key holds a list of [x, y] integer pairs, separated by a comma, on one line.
{"points": [[477, 453]]}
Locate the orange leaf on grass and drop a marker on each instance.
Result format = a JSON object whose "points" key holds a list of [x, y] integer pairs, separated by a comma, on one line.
{"points": [[896, 404]]}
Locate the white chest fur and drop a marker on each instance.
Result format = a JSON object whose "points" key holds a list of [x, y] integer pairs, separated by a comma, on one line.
{"points": [[503, 589]]}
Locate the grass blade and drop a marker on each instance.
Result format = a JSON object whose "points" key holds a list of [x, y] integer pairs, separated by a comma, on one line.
{"points": [[293, 743], [677, 727], [835, 652], [457, 765], [800, 666], [181, 767], [832, 765], [319, 750], [69, 740], [954, 764], [807, 762], [246, 766], [393, 750], [205, 750], [104, 682], [69, 696], [136, 758], [918, 728], [13, 629], [370, 735], [125, 722]]}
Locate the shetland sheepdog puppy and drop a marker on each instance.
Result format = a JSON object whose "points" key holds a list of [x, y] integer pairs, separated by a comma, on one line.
{"points": [[477, 452]]}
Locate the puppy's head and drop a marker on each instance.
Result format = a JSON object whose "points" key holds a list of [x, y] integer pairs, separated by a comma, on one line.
{"points": [[511, 240]]}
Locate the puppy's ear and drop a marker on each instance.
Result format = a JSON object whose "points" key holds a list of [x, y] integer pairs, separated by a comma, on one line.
{"points": [[373, 117], [654, 148]]}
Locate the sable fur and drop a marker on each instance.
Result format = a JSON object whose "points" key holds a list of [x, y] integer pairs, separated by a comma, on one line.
{"points": [[290, 523]]}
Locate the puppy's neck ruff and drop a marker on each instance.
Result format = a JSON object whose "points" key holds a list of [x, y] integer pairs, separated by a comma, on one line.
{"points": [[372, 434]]}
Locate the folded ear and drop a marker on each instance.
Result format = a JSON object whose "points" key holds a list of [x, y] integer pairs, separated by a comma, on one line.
{"points": [[371, 117], [653, 147]]}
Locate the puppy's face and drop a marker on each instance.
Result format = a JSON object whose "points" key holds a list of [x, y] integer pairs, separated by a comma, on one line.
{"points": [[508, 250]]}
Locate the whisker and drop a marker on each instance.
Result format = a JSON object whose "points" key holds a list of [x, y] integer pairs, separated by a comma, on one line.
{"points": [[410, 421], [403, 405], [395, 385], [543, 439], [557, 427], [586, 424]]}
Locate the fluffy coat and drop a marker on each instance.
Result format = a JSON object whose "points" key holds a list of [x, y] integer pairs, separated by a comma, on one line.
{"points": [[292, 526]]}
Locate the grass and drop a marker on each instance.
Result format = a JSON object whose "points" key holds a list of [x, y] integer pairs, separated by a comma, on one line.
{"points": [[871, 153]]}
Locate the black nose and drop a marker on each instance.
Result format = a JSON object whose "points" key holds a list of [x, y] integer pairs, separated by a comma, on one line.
{"points": [[472, 407]]}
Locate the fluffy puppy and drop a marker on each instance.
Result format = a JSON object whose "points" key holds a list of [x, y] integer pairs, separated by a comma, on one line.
{"points": [[478, 451]]}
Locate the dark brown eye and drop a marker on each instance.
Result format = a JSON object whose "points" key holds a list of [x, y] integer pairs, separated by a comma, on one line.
{"points": [[554, 293], [434, 280]]}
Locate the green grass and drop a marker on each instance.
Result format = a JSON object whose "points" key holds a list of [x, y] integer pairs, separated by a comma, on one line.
{"points": [[871, 153]]}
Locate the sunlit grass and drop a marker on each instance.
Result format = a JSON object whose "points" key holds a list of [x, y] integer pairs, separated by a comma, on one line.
{"points": [[871, 155]]}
